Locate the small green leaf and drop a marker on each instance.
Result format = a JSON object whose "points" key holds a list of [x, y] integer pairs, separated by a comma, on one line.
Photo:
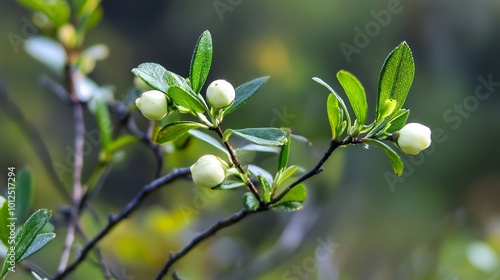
{"points": [[250, 201], [356, 94], [335, 116], [210, 140], [396, 78], [245, 92], [284, 154], [201, 61], [175, 130], [298, 194], [267, 136], [228, 185], [152, 74], [284, 174], [186, 100], [266, 187], [396, 162], [26, 237], [24, 193], [4, 222], [40, 241], [174, 80], [398, 120], [288, 206]]}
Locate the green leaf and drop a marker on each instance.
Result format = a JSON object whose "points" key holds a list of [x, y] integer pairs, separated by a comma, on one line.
{"points": [[398, 120], [266, 187], [246, 91], [186, 100], [210, 140], [284, 174], [4, 222], [58, 12], [250, 201], [228, 185], [288, 206], [152, 74], [396, 162], [335, 116], [396, 78], [40, 241], [267, 136], [284, 154], [201, 61], [30, 230], [293, 200], [175, 130], [27, 235], [356, 94], [24, 193]]}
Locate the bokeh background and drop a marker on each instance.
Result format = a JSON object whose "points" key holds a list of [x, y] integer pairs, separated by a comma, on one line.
{"points": [[440, 220]]}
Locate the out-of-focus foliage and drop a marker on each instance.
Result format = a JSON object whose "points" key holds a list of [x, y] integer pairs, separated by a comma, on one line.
{"points": [[440, 220]]}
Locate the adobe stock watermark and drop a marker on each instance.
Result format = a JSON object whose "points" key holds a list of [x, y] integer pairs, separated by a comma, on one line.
{"points": [[453, 116], [29, 28], [322, 253], [223, 6], [363, 37]]}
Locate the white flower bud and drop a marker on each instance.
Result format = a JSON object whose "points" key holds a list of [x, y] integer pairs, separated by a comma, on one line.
{"points": [[153, 105], [413, 138], [209, 171], [220, 94]]}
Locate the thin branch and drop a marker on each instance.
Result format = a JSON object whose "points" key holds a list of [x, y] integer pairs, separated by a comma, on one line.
{"points": [[113, 220], [235, 218], [238, 165], [219, 225], [78, 190], [334, 144]]}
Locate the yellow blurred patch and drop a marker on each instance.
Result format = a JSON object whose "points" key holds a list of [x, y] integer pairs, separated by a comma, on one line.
{"points": [[161, 221], [271, 56]]}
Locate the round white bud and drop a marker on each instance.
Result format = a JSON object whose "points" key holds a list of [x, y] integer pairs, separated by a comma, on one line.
{"points": [[413, 138], [209, 171], [220, 94], [153, 105]]}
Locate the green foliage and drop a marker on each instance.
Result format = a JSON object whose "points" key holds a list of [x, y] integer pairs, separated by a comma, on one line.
{"points": [[58, 12], [356, 94], [250, 201], [187, 100], [396, 77], [335, 116], [30, 239], [268, 136], [153, 74], [174, 130], [201, 61], [245, 92]]}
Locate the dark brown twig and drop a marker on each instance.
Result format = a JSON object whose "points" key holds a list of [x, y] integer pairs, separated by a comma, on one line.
{"points": [[113, 220]]}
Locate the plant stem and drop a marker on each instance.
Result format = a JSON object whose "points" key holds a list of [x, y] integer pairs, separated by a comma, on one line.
{"points": [[78, 190], [113, 220], [235, 218], [221, 224], [334, 144], [238, 165]]}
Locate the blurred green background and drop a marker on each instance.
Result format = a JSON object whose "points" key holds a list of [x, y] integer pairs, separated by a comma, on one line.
{"points": [[440, 220]]}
